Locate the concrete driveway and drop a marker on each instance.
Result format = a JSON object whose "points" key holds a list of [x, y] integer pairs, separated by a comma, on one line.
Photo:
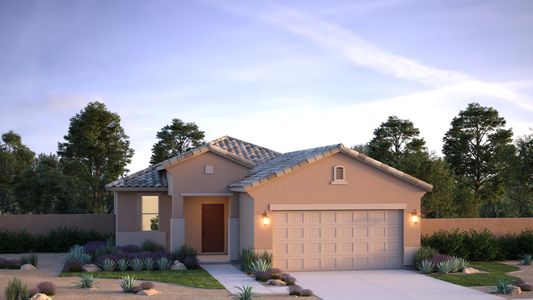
{"points": [[383, 285]]}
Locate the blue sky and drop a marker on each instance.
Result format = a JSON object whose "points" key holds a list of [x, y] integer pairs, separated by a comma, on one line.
{"points": [[283, 74]]}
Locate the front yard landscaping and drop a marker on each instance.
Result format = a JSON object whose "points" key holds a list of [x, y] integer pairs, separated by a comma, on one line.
{"points": [[494, 272], [197, 278]]}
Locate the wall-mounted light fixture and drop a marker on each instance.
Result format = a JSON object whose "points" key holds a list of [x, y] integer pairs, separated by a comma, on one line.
{"points": [[415, 217], [265, 218]]}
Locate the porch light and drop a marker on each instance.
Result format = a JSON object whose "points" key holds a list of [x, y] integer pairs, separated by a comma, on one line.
{"points": [[415, 217], [265, 218]]}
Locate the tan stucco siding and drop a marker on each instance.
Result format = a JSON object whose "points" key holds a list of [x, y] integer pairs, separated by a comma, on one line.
{"points": [[189, 177], [246, 221], [311, 185], [193, 219]]}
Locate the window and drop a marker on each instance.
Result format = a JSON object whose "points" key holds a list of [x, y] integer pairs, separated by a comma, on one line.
{"points": [[149, 213], [339, 175]]}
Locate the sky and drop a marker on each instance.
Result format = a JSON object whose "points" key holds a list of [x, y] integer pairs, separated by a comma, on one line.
{"points": [[286, 74]]}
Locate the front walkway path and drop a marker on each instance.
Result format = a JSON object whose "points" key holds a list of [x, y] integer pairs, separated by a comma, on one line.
{"points": [[231, 278]]}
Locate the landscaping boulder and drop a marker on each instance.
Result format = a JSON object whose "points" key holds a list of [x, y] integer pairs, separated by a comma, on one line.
{"points": [[149, 292], [515, 290], [91, 268], [276, 282], [28, 267], [470, 271], [40, 296], [524, 286], [178, 266]]}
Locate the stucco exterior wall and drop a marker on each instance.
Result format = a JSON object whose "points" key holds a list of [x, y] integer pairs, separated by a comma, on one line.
{"points": [[311, 185], [40, 224], [193, 219], [498, 226], [246, 221]]}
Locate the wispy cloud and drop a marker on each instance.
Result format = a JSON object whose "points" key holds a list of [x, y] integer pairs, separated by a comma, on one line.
{"points": [[363, 53]]}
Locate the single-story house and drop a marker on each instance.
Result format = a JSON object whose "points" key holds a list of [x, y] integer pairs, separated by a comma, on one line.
{"points": [[326, 208]]}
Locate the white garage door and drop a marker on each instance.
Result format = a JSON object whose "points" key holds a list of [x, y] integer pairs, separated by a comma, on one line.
{"points": [[337, 240]]}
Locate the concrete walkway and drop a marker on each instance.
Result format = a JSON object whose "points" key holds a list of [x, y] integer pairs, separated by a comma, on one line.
{"points": [[384, 285], [231, 278]]}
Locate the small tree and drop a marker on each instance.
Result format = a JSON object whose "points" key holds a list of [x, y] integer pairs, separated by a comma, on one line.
{"points": [[175, 139]]}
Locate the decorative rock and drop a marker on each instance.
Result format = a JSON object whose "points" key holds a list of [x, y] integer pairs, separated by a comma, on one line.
{"points": [[276, 282], [470, 271], [516, 290], [524, 286], [91, 268], [149, 292], [178, 266], [40, 296], [28, 267]]}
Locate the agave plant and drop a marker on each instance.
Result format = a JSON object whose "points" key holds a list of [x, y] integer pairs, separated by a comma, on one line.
{"points": [[137, 264], [426, 266], [127, 283], [445, 267], [122, 264], [461, 264], [86, 281], [149, 264], [526, 259], [77, 253], [108, 264], [244, 293], [260, 265], [503, 286], [163, 263]]}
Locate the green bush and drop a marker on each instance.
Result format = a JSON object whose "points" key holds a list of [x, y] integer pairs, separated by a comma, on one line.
{"points": [[481, 245], [247, 257], [448, 242], [56, 240], [152, 246], [183, 252], [424, 253], [16, 290]]}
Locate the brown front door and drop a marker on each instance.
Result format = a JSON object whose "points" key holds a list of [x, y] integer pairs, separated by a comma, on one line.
{"points": [[212, 227]]}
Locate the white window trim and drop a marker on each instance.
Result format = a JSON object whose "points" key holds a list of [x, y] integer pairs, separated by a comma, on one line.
{"points": [[139, 211], [339, 181]]}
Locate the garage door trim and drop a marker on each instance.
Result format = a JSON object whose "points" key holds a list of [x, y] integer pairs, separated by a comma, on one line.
{"points": [[370, 206]]}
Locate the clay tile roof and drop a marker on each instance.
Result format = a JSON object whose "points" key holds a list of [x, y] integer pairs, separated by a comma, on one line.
{"points": [[247, 151], [146, 178]]}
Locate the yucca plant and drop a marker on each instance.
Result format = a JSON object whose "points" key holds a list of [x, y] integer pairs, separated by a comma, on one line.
{"points": [[149, 264], [445, 267], [108, 264], [127, 283], [136, 264], [244, 293], [503, 286], [86, 281], [16, 290], [163, 263], [122, 264], [526, 259], [426, 266], [260, 265]]}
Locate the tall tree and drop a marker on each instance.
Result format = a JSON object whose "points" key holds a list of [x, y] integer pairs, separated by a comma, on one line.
{"points": [[14, 158], [395, 139], [471, 147], [175, 139], [97, 141]]}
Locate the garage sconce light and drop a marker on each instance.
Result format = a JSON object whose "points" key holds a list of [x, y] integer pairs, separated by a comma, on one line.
{"points": [[265, 219], [415, 217]]}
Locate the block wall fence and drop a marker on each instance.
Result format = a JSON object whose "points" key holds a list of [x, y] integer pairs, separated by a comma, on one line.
{"points": [[39, 224]]}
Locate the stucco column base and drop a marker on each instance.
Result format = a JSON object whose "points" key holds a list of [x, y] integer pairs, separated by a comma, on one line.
{"points": [[177, 233]]}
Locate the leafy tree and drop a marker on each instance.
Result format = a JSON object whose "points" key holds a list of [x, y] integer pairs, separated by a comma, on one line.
{"points": [[175, 139], [471, 147], [44, 188], [438, 203], [14, 158], [395, 139], [97, 142], [361, 148]]}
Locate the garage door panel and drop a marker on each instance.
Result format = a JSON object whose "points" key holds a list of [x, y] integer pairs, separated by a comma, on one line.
{"points": [[337, 240]]}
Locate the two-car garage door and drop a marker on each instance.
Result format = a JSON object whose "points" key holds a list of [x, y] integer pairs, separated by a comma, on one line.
{"points": [[337, 240]]}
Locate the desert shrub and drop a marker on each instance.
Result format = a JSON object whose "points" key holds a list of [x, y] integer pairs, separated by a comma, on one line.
{"points": [[244, 293], [183, 252], [508, 247], [262, 276], [295, 290], [152, 246], [149, 264], [504, 286], [426, 266], [91, 246], [260, 265], [247, 257], [191, 262], [73, 265], [445, 267], [526, 259], [146, 285], [481, 245], [163, 263], [127, 284], [424, 253], [47, 288], [108, 264], [306, 293], [137, 264], [16, 290], [122, 264], [447, 242], [86, 281], [266, 256], [461, 264], [75, 259], [32, 292]]}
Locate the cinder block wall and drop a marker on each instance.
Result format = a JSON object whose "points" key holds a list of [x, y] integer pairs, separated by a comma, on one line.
{"points": [[38, 224]]}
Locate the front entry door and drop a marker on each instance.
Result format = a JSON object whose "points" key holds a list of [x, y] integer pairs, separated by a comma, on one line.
{"points": [[212, 228]]}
